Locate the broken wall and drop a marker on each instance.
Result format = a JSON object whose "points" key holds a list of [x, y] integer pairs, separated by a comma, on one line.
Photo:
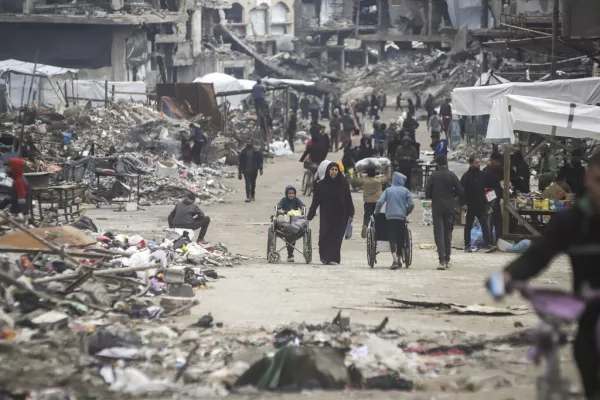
{"points": [[533, 7], [405, 15], [467, 12]]}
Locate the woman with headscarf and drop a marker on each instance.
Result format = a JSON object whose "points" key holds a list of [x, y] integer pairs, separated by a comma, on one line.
{"points": [[332, 196]]}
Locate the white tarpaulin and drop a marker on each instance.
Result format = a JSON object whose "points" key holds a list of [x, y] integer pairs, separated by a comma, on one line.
{"points": [[500, 127], [225, 83], [489, 79], [478, 100], [27, 68], [543, 116]]}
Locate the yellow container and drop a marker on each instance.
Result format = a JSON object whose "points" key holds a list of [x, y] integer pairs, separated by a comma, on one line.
{"points": [[545, 205], [537, 205]]}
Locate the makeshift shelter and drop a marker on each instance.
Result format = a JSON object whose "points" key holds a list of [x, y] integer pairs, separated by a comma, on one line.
{"points": [[223, 83], [20, 76], [489, 79], [478, 100]]}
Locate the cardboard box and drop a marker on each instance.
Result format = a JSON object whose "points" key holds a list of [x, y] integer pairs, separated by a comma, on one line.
{"points": [[554, 192]]}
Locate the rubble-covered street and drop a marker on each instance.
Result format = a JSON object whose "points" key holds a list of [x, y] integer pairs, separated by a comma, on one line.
{"points": [[133, 348]]}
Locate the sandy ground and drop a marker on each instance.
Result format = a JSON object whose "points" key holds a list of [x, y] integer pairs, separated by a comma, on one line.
{"points": [[258, 294]]}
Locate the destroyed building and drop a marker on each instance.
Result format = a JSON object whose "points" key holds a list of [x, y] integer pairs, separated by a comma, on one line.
{"points": [[157, 41]]}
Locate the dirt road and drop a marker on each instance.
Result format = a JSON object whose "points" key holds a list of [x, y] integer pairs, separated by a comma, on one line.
{"points": [[258, 294]]}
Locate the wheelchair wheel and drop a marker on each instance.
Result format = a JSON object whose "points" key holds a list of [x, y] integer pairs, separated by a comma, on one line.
{"points": [[407, 250], [307, 247], [370, 248], [271, 245]]}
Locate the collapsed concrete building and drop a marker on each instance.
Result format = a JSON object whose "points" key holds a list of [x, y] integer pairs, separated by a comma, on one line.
{"points": [[154, 41]]}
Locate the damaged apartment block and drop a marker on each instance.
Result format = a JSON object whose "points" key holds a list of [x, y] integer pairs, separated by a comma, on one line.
{"points": [[151, 41]]}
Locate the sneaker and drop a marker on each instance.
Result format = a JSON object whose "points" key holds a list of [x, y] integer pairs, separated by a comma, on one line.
{"points": [[248, 200], [442, 266], [448, 265], [491, 249], [252, 198], [468, 249], [290, 259], [394, 265], [363, 232]]}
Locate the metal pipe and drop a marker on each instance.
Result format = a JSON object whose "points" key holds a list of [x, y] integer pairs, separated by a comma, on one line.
{"points": [[555, 15]]}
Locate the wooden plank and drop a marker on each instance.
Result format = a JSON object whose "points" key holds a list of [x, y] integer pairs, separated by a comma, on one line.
{"points": [[522, 220]]}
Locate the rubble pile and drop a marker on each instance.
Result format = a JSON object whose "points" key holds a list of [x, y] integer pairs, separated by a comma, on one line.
{"points": [[67, 314]]}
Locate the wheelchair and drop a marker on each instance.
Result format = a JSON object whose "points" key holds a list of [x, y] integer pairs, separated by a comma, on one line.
{"points": [[377, 231], [277, 231]]}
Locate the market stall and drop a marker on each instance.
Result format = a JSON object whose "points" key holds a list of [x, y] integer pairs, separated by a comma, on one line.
{"points": [[557, 112]]}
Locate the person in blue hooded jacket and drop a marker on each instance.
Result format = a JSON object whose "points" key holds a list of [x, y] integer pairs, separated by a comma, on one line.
{"points": [[288, 203], [399, 205]]}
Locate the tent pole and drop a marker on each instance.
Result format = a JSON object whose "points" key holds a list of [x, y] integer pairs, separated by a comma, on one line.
{"points": [[506, 214]]}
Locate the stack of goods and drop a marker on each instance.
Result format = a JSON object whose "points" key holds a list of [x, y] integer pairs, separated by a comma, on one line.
{"points": [[427, 213], [535, 203]]}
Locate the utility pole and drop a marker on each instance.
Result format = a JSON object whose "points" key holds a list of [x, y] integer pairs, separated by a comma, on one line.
{"points": [[430, 18], [555, 16], [357, 18]]}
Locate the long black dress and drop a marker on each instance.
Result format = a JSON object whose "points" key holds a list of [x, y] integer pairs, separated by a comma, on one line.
{"points": [[334, 199]]}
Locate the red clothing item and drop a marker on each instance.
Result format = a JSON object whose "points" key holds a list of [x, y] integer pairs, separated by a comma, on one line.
{"points": [[16, 171]]}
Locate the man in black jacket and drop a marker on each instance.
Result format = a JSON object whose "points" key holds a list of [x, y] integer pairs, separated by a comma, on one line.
{"points": [[575, 174], [442, 188], [493, 176], [188, 215], [251, 162], [575, 232], [473, 183]]}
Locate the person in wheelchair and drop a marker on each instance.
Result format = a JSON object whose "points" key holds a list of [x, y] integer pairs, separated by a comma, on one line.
{"points": [[288, 203], [399, 205]]}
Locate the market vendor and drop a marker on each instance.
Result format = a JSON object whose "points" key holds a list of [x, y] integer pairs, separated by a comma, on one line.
{"points": [[575, 174], [20, 193], [546, 169]]}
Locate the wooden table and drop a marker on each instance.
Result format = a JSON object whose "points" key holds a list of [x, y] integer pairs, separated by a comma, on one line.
{"points": [[132, 177], [63, 196]]}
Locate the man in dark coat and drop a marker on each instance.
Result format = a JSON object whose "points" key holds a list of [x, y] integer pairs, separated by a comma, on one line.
{"points": [[442, 188], [199, 139], [493, 176], [332, 196], [519, 172], [326, 104], [406, 158], [304, 106], [399, 102], [575, 174], [188, 215], [294, 102], [429, 106], [348, 124], [473, 183], [319, 146], [251, 162], [291, 130]]}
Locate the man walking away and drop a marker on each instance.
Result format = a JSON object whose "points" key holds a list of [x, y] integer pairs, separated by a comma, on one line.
{"points": [[291, 131], [251, 162], [199, 139], [399, 205], [326, 103], [442, 188], [304, 105], [258, 95], [418, 105], [473, 183], [429, 106], [493, 180], [188, 215], [335, 126], [446, 112], [294, 102], [383, 101], [399, 102]]}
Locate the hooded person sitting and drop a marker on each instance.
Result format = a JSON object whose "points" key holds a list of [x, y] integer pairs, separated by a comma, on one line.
{"points": [[20, 193], [188, 215], [288, 203]]}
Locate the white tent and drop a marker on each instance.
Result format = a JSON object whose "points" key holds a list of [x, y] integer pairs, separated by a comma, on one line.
{"points": [[478, 100], [489, 79], [543, 116], [225, 83]]}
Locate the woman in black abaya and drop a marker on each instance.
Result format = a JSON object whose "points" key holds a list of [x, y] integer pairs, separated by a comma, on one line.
{"points": [[332, 195]]}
